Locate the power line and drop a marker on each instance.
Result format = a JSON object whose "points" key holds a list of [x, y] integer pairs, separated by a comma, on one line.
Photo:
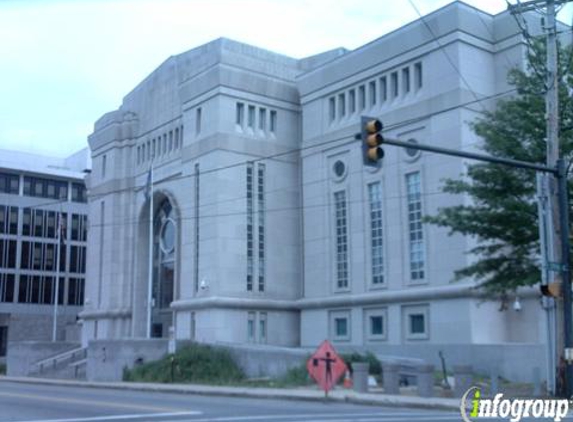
{"points": [[349, 138], [464, 80]]}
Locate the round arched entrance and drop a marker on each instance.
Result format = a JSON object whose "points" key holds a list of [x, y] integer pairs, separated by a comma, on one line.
{"points": [[164, 266]]}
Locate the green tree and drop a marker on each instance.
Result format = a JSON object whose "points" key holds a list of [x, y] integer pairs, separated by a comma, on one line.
{"points": [[503, 212]]}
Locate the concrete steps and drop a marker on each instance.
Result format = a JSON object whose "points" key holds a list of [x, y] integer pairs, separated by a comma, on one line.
{"points": [[67, 365]]}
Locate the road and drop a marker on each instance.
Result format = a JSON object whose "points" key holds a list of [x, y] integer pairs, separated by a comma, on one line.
{"points": [[49, 403], [42, 403]]}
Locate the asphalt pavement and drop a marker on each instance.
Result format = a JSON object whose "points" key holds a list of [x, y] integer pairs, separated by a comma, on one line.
{"points": [[66, 402], [41, 400]]}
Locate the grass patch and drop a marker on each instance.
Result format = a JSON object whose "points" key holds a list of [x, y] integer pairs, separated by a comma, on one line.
{"points": [[295, 377], [200, 364]]}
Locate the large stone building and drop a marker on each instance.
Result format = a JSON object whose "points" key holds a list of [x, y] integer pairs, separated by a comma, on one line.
{"points": [[267, 228], [34, 190]]}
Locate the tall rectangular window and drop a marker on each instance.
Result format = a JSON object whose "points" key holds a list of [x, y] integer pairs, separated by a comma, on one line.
{"points": [[406, 80], [240, 114], [263, 119], [361, 97], [372, 93], [376, 242], [383, 89], [418, 75], [7, 282], [341, 240], [8, 253], [251, 117], [352, 101], [332, 109], [103, 166], [416, 235], [197, 122], [76, 291], [8, 219], [250, 228], [9, 183], [79, 227], [263, 327], [261, 224], [79, 193], [273, 126], [341, 105], [394, 84], [251, 327], [197, 197]]}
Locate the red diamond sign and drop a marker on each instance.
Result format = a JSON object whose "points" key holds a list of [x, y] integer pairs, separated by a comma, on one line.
{"points": [[325, 366]]}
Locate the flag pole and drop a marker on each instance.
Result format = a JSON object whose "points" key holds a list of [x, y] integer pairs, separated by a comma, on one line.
{"points": [[57, 286], [150, 275]]}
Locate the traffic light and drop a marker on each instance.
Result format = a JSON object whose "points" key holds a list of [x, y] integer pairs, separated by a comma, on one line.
{"points": [[371, 140], [551, 289]]}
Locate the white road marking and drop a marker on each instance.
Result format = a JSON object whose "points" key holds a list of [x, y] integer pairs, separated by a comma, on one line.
{"points": [[121, 417]]}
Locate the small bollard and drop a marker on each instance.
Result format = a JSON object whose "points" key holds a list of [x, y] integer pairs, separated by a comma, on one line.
{"points": [[360, 376], [425, 379], [391, 378], [536, 381], [463, 379]]}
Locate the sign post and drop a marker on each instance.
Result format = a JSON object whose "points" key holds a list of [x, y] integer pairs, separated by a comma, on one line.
{"points": [[326, 367]]}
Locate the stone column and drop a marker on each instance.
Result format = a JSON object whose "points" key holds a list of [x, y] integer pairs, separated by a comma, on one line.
{"points": [[360, 376], [425, 380], [391, 378]]}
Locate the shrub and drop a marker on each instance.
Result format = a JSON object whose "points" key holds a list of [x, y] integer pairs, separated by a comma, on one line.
{"points": [[193, 364], [374, 365], [2, 369]]}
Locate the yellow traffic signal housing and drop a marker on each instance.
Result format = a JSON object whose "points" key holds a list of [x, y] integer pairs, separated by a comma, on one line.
{"points": [[551, 289], [371, 141]]}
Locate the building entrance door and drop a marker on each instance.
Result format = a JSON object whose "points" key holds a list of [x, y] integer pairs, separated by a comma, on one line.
{"points": [[165, 235]]}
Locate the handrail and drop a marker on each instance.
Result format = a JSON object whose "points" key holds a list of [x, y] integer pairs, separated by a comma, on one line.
{"points": [[53, 360]]}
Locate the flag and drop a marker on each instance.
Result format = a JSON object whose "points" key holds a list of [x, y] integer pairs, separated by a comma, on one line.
{"points": [[62, 229], [147, 189]]}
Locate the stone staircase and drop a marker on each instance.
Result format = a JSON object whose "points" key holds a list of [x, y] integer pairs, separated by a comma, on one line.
{"points": [[70, 364]]}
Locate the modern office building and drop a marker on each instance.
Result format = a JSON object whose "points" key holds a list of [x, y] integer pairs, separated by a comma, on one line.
{"points": [[266, 225], [34, 191]]}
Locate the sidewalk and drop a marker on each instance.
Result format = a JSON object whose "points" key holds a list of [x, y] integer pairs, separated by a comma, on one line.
{"points": [[262, 393]]}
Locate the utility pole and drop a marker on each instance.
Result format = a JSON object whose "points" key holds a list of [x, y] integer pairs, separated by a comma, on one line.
{"points": [[557, 231]]}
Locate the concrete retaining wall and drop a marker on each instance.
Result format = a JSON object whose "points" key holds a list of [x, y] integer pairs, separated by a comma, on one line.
{"points": [[106, 359], [266, 361], [22, 355]]}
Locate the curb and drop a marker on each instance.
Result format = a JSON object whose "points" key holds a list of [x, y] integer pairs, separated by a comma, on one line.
{"points": [[260, 393]]}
